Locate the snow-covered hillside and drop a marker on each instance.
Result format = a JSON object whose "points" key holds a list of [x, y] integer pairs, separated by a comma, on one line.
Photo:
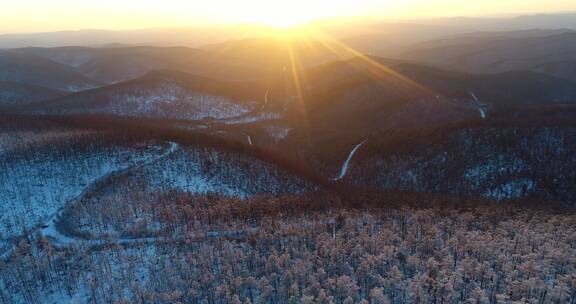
{"points": [[13, 140], [131, 199], [203, 170], [156, 96], [494, 163], [35, 184], [15, 94], [277, 131]]}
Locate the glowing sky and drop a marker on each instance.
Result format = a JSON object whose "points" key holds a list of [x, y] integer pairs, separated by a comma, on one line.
{"points": [[50, 15]]}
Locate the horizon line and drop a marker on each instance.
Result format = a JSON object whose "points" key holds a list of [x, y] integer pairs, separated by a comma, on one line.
{"points": [[319, 21]]}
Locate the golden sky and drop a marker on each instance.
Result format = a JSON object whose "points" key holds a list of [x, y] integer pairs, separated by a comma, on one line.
{"points": [[51, 15]]}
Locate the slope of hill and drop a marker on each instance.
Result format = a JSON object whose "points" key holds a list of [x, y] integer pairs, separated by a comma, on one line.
{"points": [[53, 165], [349, 101], [165, 94], [514, 88], [356, 86], [40, 179], [189, 170], [15, 94], [494, 161], [34, 70], [560, 69]]}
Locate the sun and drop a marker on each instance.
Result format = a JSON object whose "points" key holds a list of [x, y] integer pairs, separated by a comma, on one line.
{"points": [[283, 16], [284, 22]]}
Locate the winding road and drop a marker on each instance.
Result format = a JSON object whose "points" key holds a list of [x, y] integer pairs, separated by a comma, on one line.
{"points": [[50, 228], [62, 239]]}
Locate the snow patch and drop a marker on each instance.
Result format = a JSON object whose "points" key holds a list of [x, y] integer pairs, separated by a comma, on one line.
{"points": [[260, 116], [511, 189], [278, 132]]}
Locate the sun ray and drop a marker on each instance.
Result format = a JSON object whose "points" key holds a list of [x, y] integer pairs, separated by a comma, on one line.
{"points": [[295, 70], [342, 50]]}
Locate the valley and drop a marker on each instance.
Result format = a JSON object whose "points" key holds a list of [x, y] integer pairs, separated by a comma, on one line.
{"points": [[360, 162]]}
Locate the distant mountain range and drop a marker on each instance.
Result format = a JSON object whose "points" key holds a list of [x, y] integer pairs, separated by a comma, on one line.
{"points": [[442, 88], [445, 74], [362, 84], [182, 36], [357, 32], [111, 65], [499, 52]]}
